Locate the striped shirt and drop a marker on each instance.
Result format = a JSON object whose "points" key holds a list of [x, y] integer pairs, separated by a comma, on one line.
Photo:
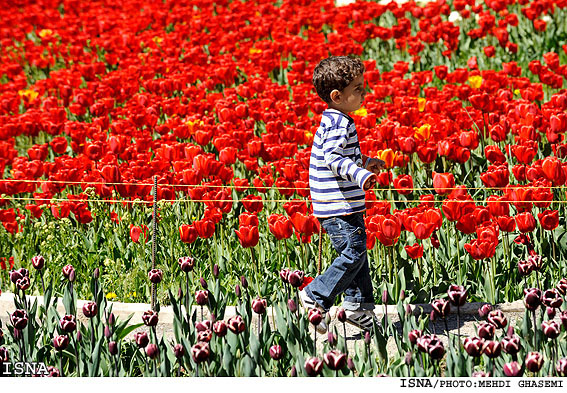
{"points": [[336, 176]]}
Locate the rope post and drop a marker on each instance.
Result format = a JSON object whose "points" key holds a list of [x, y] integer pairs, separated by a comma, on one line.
{"points": [[154, 238], [320, 249]]}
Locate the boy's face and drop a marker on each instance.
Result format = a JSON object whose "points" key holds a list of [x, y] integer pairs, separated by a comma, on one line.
{"points": [[351, 97]]}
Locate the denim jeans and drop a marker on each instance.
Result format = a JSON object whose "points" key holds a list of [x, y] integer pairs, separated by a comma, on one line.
{"points": [[349, 272]]}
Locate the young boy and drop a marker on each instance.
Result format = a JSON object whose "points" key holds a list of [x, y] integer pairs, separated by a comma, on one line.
{"points": [[338, 176]]}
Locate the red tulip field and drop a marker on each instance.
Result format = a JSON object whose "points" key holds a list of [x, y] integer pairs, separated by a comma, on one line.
{"points": [[466, 104]]}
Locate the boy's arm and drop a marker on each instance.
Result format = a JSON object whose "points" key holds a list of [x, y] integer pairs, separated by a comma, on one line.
{"points": [[333, 151], [374, 165]]}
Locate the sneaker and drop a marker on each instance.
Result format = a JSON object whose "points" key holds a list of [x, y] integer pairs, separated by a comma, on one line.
{"points": [[309, 304], [362, 319]]}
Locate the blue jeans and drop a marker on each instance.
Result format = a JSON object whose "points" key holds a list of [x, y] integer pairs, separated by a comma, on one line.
{"points": [[349, 272]]}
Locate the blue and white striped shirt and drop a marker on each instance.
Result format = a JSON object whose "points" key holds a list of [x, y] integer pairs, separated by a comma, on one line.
{"points": [[336, 176]]}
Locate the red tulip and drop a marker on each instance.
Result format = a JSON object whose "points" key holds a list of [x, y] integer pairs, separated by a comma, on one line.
{"points": [[526, 222], [415, 251], [443, 182], [549, 219], [187, 233], [248, 236]]}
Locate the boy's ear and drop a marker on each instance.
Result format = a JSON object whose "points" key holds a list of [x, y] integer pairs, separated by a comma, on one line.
{"points": [[335, 96]]}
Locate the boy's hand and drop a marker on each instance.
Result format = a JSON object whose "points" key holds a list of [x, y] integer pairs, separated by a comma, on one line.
{"points": [[369, 183], [374, 165]]}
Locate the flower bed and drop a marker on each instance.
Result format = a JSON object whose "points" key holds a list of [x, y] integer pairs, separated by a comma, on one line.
{"points": [[466, 105]]}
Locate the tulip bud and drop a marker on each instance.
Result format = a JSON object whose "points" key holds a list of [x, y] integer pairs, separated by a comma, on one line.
{"points": [[68, 323], [536, 261], [276, 352], [441, 307], [473, 346], [291, 305], [562, 286], [152, 351], [179, 351], [402, 295], [205, 336], [492, 349], [432, 316], [551, 329], [486, 330], [15, 276], [510, 331], [155, 276], [79, 336], [107, 331], [60, 342], [220, 328], [96, 273], [534, 361], [525, 268], [512, 369], [408, 358], [335, 360], [563, 318], [243, 282], [23, 283], [215, 270], [367, 338], [150, 318], [484, 310], [457, 295], [259, 306], [341, 315], [414, 335], [67, 271], [315, 316], [142, 339], [284, 273], [313, 366], [511, 345], [200, 352], [38, 262], [90, 309], [293, 372], [179, 293], [53, 372], [409, 311], [186, 264], [202, 297], [19, 319], [498, 319], [113, 348], [350, 365], [385, 296], [203, 283], [562, 367], [435, 349], [550, 311], [111, 319], [207, 324], [532, 298], [236, 324], [331, 338], [296, 278], [552, 298], [237, 290], [4, 355]]}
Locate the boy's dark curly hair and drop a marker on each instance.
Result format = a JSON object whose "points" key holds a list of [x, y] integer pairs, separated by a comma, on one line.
{"points": [[335, 72]]}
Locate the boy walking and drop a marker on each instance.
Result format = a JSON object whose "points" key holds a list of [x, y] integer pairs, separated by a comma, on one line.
{"points": [[338, 176]]}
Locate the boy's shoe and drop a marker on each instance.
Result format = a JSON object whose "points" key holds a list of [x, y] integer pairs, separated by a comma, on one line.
{"points": [[362, 319], [309, 304]]}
